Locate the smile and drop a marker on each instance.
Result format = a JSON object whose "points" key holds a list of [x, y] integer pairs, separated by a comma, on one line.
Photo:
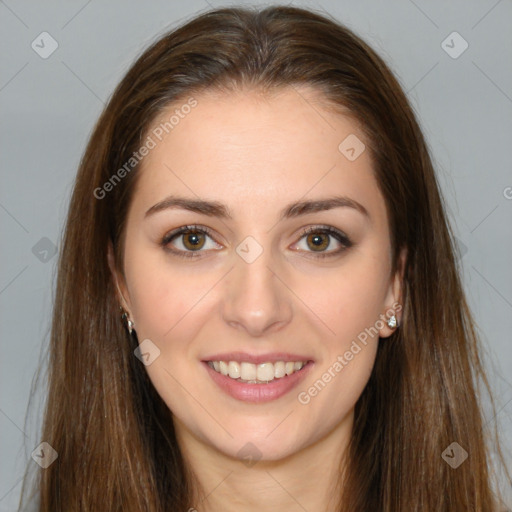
{"points": [[257, 383], [256, 373]]}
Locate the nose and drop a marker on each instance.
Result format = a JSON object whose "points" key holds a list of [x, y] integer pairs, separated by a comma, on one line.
{"points": [[256, 299]]}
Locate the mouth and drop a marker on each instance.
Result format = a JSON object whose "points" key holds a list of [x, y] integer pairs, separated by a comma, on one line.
{"points": [[257, 383], [251, 373]]}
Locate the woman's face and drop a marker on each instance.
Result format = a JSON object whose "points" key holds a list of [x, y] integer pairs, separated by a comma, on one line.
{"points": [[287, 260]]}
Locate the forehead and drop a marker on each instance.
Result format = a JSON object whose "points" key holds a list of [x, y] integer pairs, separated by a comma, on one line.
{"points": [[247, 150]]}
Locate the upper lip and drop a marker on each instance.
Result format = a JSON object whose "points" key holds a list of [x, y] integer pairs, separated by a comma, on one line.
{"points": [[257, 358]]}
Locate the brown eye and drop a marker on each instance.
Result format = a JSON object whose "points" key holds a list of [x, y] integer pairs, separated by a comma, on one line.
{"points": [[193, 240], [189, 241], [318, 241]]}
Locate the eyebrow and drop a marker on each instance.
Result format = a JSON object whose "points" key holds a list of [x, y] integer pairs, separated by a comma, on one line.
{"points": [[293, 210]]}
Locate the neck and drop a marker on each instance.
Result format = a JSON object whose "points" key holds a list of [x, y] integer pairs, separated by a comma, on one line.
{"points": [[307, 480]]}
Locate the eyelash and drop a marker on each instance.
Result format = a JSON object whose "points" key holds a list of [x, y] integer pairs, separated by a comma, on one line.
{"points": [[325, 230]]}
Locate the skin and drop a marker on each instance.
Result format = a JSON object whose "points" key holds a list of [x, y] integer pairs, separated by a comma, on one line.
{"points": [[257, 154]]}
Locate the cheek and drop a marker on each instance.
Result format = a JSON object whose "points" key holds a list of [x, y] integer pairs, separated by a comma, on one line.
{"points": [[350, 305], [334, 391], [162, 297], [349, 301]]}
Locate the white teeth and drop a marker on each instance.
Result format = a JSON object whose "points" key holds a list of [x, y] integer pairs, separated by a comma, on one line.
{"points": [[279, 369], [256, 373], [223, 368], [248, 371], [265, 371], [234, 369]]}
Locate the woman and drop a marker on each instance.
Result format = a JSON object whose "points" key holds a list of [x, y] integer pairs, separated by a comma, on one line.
{"points": [[258, 305]]}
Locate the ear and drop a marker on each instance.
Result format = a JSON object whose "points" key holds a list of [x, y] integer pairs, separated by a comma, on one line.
{"points": [[393, 302], [122, 291]]}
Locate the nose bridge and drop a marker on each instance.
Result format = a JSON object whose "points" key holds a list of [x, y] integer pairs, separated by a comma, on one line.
{"points": [[255, 299]]}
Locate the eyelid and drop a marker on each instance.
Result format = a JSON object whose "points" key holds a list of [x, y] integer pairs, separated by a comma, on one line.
{"points": [[184, 229]]}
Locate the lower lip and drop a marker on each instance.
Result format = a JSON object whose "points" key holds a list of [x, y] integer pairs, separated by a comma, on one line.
{"points": [[258, 393]]}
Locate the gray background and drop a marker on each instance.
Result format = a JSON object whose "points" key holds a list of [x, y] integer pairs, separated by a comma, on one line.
{"points": [[49, 106]]}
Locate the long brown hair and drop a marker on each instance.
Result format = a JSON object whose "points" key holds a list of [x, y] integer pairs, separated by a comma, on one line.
{"points": [[113, 433]]}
